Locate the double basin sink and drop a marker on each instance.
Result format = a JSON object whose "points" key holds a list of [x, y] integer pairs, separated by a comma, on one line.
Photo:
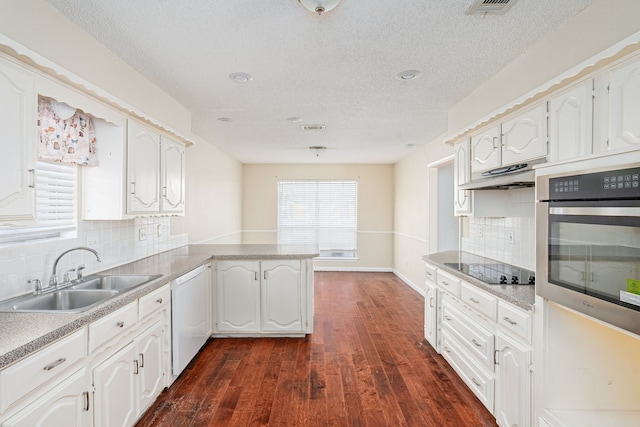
{"points": [[76, 297]]}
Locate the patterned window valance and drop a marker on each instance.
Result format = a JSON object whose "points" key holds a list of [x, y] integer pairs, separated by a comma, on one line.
{"points": [[65, 140]]}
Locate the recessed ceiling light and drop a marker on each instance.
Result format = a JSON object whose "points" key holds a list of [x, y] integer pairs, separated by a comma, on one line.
{"points": [[295, 119], [408, 75], [225, 119], [240, 77]]}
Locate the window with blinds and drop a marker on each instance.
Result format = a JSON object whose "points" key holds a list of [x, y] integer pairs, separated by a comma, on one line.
{"points": [[322, 212], [55, 205]]}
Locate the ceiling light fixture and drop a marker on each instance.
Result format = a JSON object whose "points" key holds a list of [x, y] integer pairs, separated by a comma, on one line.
{"points": [[408, 75], [317, 149], [295, 119], [319, 6], [240, 77]]}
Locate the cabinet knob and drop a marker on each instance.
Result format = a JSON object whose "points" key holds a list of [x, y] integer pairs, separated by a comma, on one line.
{"points": [[511, 322], [159, 300], [120, 324]]}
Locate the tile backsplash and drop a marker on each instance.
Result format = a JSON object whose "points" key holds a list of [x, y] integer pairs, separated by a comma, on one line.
{"points": [[117, 242], [509, 239]]}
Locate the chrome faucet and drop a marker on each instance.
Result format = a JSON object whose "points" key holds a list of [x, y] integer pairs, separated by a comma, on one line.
{"points": [[53, 280]]}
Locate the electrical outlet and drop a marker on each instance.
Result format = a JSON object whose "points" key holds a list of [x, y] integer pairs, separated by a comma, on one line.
{"points": [[512, 237], [92, 240], [142, 234], [480, 232]]}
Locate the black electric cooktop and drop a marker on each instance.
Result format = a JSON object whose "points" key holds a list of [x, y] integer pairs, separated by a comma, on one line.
{"points": [[496, 273]]}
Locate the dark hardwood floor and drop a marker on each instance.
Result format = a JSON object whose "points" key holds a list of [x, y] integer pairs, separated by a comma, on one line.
{"points": [[366, 364]]}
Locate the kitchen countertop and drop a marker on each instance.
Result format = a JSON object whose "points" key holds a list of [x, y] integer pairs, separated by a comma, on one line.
{"points": [[522, 296], [24, 333]]}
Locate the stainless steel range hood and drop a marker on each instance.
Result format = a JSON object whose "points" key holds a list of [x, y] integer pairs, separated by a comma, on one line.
{"points": [[504, 178]]}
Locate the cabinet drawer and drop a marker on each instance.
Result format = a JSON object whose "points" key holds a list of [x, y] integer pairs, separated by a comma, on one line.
{"points": [[27, 375], [479, 341], [430, 273], [448, 283], [112, 325], [515, 320], [154, 300], [479, 300], [481, 382]]}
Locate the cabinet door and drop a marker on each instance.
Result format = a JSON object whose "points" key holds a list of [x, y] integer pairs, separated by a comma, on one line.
{"points": [[430, 313], [461, 175], [18, 108], [173, 176], [143, 157], [115, 390], [524, 137], [238, 296], [570, 122], [624, 105], [150, 365], [65, 405], [486, 151], [281, 296], [513, 383]]}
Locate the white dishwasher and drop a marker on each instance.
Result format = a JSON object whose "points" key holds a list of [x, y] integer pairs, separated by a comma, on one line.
{"points": [[188, 317]]}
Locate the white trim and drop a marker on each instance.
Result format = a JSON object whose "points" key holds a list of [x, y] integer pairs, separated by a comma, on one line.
{"points": [[572, 72], [357, 231], [219, 237], [354, 269], [441, 162], [407, 236], [409, 282]]}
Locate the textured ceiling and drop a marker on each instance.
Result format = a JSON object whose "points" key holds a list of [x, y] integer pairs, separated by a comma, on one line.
{"points": [[338, 69]]}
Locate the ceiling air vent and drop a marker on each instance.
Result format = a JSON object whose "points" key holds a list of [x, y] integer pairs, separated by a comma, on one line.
{"points": [[490, 7], [313, 127]]}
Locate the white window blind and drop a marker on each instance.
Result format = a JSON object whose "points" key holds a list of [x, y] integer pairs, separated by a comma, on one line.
{"points": [[55, 204], [322, 212]]}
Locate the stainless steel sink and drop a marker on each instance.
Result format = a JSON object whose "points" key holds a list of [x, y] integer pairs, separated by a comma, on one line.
{"points": [[77, 297], [64, 300], [114, 282]]}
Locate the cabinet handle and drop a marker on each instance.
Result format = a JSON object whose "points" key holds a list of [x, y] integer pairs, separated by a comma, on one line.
{"points": [[447, 349], [473, 300], [52, 365], [133, 187], [32, 176], [120, 324], [495, 357], [429, 273], [136, 369], [164, 191], [476, 382], [445, 283], [495, 140], [447, 318], [431, 302], [266, 275], [159, 300], [255, 276], [85, 394], [476, 343], [511, 322], [142, 360]]}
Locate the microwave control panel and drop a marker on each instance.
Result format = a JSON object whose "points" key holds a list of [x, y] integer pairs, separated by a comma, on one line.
{"points": [[616, 184]]}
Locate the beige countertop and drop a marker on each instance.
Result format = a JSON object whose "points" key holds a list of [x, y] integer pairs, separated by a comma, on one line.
{"points": [[521, 295], [23, 333]]}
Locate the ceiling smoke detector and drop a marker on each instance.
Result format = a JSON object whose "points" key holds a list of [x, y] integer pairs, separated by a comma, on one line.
{"points": [[319, 6], [490, 7], [313, 127]]}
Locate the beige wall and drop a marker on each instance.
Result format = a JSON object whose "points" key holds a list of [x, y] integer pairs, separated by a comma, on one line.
{"points": [[214, 180], [375, 207]]}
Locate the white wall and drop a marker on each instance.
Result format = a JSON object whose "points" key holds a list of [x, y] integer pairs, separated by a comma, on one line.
{"points": [[375, 208]]}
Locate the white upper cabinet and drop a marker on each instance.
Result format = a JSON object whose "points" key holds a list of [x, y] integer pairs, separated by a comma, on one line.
{"points": [[624, 105], [524, 137], [462, 172], [143, 156], [173, 176], [18, 139], [486, 148], [570, 122]]}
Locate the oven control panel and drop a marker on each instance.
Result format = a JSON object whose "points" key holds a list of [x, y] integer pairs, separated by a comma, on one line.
{"points": [[623, 183]]}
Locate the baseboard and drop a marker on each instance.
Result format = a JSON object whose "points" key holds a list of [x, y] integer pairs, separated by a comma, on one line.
{"points": [[409, 282], [357, 269]]}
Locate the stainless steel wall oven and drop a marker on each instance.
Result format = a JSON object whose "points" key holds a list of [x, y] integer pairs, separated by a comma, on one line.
{"points": [[588, 242]]}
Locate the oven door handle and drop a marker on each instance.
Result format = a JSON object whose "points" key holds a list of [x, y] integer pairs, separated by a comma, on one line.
{"points": [[596, 211]]}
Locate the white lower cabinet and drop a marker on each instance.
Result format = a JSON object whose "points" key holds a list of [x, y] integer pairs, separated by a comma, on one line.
{"points": [[263, 297], [129, 381], [65, 405], [513, 382], [486, 340]]}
